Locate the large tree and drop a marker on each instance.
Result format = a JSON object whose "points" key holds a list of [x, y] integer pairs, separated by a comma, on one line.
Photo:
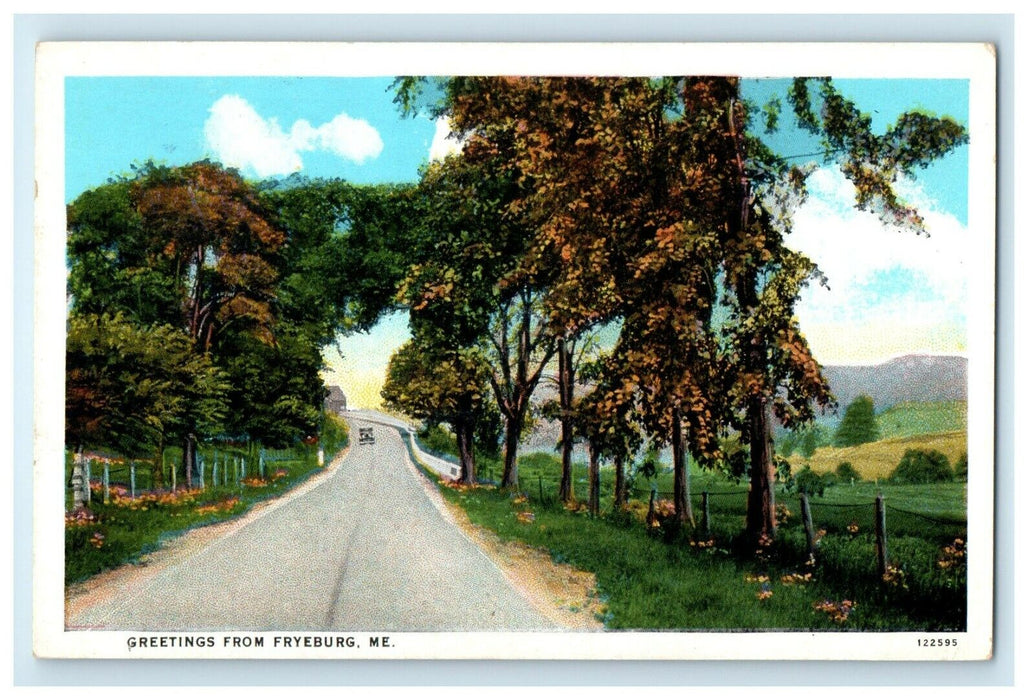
{"points": [[775, 372], [657, 202], [189, 247], [440, 385], [859, 424], [467, 290], [610, 206]]}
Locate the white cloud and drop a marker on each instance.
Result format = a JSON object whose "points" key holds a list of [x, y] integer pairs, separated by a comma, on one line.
{"points": [[883, 281], [240, 137], [442, 144], [352, 139]]}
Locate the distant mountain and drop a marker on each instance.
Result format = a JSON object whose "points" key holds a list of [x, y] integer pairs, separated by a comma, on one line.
{"points": [[917, 378], [910, 378]]}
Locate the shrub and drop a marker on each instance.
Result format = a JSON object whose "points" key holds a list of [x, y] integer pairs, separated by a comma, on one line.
{"points": [[922, 467], [961, 467], [847, 473], [812, 483]]}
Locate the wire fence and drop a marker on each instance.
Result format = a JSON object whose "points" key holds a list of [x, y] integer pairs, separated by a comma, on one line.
{"points": [[884, 527], [214, 467]]}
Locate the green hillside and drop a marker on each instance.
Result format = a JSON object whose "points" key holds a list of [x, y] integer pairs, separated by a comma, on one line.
{"points": [[910, 419]]}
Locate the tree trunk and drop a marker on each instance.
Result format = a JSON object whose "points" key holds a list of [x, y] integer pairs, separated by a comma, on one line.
{"points": [[620, 495], [565, 381], [594, 480], [680, 480], [761, 515], [511, 436], [465, 448]]}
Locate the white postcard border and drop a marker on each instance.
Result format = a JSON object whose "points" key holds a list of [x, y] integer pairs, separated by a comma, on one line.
{"points": [[55, 61]]}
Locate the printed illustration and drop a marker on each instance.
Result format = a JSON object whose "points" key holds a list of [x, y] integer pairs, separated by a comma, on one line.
{"points": [[517, 353]]}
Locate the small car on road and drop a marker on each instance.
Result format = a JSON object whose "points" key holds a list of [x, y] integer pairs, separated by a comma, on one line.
{"points": [[366, 436]]}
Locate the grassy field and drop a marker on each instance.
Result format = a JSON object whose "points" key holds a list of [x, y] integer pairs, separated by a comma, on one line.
{"points": [[128, 527], [876, 460], [927, 418], [667, 578]]}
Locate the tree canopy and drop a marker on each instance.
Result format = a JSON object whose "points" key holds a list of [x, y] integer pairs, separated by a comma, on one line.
{"points": [[656, 203]]}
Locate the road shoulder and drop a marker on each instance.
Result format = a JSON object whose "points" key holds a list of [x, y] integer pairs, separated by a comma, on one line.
{"points": [[560, 592], [130, 576]]}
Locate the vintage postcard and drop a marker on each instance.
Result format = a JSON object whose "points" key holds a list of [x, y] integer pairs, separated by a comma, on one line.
{"points": [[514, 351]]}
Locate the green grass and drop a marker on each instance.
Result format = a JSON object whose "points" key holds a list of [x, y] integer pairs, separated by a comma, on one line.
{"points": [[126, 528], [922, 418], [659, 580]]}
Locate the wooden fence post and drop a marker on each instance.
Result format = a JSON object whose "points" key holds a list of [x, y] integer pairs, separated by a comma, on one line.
{"points": [[78, 475], [882, 536], [706, 520], [107, 482], [132, 480], [201, 470], [806, 519], [89, 489]]}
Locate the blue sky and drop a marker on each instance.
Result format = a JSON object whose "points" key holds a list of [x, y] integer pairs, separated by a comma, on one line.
{"points": [[891, 292]]}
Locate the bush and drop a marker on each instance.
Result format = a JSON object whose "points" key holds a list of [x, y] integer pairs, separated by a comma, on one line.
{"points": [[846, 472], [922, 467], [334, 434], [961, 467], [808, 481]]}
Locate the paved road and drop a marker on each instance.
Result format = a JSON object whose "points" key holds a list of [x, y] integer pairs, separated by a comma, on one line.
{"points": [[365, 550]]}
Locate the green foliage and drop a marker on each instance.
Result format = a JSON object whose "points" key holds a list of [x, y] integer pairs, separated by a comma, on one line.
{"points": [[961, 467], [257, 280], [131, 388], [808, 481], [435, 384], [922, 467], [804, 441], [649, 467], [437, 440], [859, 424], [334, 433], [846, 472]]}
